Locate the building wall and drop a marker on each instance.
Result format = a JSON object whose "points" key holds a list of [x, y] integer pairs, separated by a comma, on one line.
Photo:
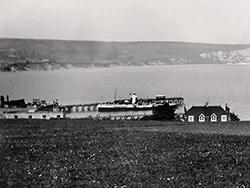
{"points": [[192, 118], [36, 115], [86, 114]]}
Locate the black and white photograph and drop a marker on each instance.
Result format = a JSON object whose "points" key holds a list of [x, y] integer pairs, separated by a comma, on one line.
{"points": [[124, 93]]}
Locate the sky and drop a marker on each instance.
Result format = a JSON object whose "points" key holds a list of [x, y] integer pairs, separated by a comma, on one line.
{"points": [[208, 21]]}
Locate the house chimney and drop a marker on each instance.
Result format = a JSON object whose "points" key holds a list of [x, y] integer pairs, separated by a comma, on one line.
{"points": [[206, 112], [227, 108], [228, 112], [185, 109]]}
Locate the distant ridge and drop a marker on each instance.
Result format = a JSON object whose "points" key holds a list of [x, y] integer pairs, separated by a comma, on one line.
{"points": [[46, 54], [121, 41]]}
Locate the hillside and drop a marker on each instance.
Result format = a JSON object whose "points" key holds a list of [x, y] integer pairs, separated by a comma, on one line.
{"points": [[30, 54]]}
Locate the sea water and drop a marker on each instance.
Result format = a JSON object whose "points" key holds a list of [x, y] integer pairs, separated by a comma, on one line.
{"points": [[198, 84]]}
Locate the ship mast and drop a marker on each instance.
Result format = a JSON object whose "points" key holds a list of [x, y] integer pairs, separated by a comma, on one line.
{"points": [[115, 94]]}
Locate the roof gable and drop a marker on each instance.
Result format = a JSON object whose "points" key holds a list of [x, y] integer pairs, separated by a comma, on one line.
{"points": [[213, 115], [201, 115]]}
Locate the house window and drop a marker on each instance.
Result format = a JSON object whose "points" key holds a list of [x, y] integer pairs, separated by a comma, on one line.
{"points": [[213, 118], [201, 118], [190, 118], [16, 116], [44, 116], [224, 118], [58, 116], [30, 116]]}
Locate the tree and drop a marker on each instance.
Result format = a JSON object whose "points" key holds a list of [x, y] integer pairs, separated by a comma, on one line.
{"points": [[162, 112], [234, 117]]}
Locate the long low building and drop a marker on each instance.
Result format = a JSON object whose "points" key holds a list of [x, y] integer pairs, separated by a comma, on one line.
{"points": [[34, 115]]}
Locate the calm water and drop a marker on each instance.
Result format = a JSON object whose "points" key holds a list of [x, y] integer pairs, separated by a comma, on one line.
{"points": [[217, 84]]}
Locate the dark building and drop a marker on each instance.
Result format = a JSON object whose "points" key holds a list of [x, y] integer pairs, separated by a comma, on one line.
{"points": [[20, 103], [2, 102], [16, 103], [207, 114]]}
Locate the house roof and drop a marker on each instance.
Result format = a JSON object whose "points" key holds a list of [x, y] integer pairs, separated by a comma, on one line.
{"points": [[208, 110]]}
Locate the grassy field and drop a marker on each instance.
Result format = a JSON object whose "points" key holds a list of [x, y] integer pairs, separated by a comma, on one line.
{"points": [[84, 153]]}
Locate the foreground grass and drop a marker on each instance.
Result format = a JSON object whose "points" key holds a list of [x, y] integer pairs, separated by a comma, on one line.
{"points": [[77, 153]]}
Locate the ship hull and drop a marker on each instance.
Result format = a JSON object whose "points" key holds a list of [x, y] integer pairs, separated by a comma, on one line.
{"points": [[121, 109]]}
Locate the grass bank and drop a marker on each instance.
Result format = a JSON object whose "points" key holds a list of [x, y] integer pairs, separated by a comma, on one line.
{"points": [[81, 153]]}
